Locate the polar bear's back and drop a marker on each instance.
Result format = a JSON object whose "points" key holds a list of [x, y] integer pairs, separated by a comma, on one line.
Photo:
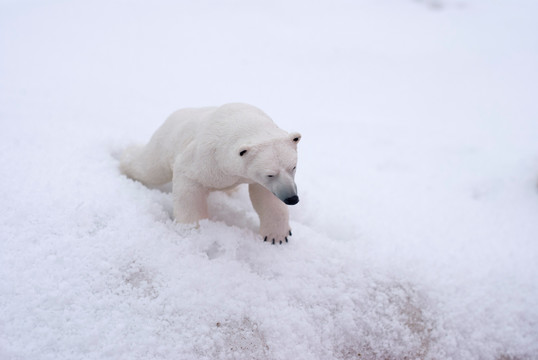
{"points": [[230, 118], [203, 142], [199, 134], [179, 130]]}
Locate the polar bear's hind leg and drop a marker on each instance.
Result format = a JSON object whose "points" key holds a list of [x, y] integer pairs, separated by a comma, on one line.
{"points": [[190, 200], [143, 164]]}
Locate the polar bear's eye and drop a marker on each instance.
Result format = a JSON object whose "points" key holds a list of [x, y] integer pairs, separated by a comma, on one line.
{"points": [[270, 176]]}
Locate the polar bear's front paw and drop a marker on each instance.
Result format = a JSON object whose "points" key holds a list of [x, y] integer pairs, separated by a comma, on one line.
{"points": [[275, 238]]}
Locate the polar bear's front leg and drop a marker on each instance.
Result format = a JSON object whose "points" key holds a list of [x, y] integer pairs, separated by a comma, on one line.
{"points": [[190, 200], [273, 213]]}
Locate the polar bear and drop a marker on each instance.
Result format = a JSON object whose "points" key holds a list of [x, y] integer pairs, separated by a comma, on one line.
{"points": [[217, 148]]}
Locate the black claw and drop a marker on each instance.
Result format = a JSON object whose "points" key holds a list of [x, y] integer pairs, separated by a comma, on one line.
{"points": [[265, 239], [273, 241], [290, 232], [286, 239], [280, 242]]}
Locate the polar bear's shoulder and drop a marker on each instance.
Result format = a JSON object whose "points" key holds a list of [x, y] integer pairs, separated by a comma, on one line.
{"points": [[238, 112], [244, 118]]}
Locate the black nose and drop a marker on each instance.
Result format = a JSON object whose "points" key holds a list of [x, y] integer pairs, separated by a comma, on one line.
{"points": [[292, 200]]}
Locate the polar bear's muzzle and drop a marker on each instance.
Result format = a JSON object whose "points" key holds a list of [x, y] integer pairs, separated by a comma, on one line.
{"points": [[283, 187], [288, 197]]}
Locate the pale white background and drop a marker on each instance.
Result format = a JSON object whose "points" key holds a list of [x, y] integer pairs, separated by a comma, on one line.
{"points": [[416, 235]]}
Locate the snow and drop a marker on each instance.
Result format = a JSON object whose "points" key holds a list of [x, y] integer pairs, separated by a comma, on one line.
{"points": [[416, 235]]}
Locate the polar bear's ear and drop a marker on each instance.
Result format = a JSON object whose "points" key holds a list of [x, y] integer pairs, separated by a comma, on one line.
{"points": [[295, 137], [243, 150]]}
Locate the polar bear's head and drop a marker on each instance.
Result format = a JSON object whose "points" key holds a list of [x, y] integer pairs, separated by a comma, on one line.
{"points": [[272, 164]]}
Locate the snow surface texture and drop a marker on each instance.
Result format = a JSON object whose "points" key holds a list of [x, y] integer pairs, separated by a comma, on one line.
{"points": [[416, 235]]}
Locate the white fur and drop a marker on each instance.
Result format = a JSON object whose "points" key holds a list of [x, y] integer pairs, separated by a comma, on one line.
{"points": [[217, 148]]}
